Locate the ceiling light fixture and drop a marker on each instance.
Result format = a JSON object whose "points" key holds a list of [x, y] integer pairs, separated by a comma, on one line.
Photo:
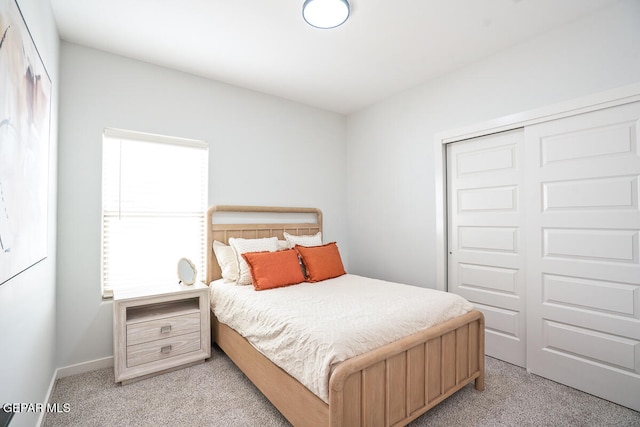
{"points": [[325, 13]]}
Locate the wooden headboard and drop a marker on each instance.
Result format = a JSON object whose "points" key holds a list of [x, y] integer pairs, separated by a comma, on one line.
{"points": [[222, 231]]}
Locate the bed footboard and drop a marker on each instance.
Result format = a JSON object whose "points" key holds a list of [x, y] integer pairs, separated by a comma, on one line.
{"points": [[389, 386], [397, 383]]}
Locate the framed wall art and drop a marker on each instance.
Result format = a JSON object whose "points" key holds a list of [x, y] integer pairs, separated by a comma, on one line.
{"points": [[25, 110]]}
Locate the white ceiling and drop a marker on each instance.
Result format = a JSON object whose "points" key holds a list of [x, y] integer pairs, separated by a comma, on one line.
{"points": [[265, 45]]}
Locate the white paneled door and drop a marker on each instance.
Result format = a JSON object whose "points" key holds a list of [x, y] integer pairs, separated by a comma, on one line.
{"points": [[583, 268], [486, 236], [544, 237]]}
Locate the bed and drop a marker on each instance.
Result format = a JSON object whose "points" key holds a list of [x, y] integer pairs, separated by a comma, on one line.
{"points": [[390, 385]]}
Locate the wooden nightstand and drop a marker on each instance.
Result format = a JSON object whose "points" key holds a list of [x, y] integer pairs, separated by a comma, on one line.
{"points": [[159, 330]]}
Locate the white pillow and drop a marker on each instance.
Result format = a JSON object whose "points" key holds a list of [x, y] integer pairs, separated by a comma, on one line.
{"points": [[227, 261], [241, 246], [313, 240]]}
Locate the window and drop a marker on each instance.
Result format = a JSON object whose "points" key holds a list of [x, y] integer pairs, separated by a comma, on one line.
{"points": [[154, 200]]}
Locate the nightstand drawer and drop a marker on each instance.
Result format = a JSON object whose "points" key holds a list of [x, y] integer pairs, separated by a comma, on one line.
{"points": [[142, 332], [161, 349]]}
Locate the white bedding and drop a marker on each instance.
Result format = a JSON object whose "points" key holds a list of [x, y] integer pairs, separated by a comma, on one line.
{"points": [[307, 329]]}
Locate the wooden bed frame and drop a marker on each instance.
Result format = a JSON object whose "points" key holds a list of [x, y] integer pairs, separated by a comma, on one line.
{"points": [[388, 386]]}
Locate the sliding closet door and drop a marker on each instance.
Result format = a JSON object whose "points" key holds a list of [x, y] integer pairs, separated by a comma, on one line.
{"points": [[486, 236], [583, 266]]}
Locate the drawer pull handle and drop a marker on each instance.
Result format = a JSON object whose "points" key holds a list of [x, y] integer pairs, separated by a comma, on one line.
{"points": [[166, 349], [165, 329]]}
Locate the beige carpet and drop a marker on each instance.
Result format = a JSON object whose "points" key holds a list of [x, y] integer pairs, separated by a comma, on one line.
{"points": [[216, 393]]}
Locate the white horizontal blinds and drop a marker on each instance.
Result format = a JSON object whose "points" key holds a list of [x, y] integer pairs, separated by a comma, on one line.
{"points": [[153, 208]]}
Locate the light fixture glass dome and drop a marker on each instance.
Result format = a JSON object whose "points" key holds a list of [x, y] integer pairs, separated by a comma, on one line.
{"points": [[325, 13]]}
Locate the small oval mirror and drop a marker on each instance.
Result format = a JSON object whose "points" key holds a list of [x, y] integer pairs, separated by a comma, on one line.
{"points": [[187, 271]]}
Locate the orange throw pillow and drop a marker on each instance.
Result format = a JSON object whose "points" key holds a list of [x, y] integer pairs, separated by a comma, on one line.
{"points": [[274, 269], [321, 262]]}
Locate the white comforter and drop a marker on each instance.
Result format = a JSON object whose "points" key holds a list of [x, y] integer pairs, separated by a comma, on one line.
{"points": [[308, 328]]}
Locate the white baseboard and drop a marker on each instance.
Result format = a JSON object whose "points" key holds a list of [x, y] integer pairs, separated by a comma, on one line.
{"points": [[81, 368], [67, 371], [47, 397]]}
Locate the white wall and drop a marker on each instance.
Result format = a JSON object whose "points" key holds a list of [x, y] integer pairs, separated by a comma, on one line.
{"points": [[390, 159], [263, 151], [27, 302]]}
